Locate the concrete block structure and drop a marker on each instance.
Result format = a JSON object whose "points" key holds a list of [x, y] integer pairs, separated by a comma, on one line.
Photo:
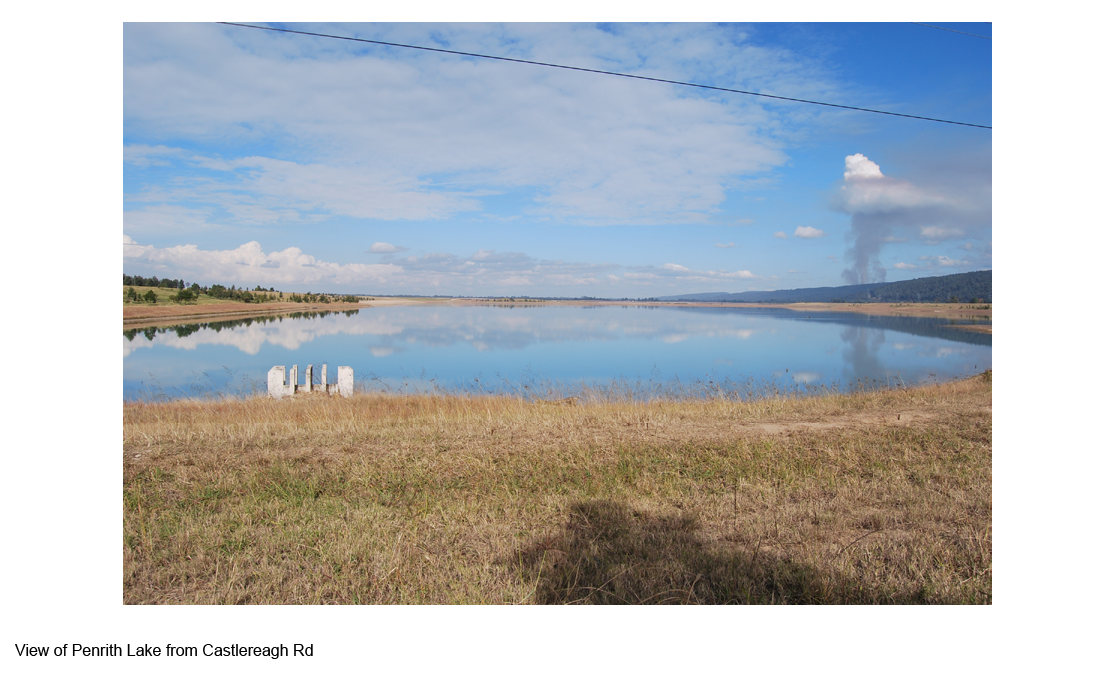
{"points": [[279, 386]]}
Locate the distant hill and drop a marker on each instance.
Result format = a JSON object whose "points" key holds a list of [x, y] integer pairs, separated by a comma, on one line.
{"points": [[962, 286]]}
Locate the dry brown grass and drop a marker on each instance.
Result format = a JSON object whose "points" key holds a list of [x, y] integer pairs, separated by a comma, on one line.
{"points": [[868, 498]]}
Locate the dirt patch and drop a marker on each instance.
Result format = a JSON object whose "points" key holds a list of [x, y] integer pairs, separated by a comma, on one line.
{"points": [[848, 421]]}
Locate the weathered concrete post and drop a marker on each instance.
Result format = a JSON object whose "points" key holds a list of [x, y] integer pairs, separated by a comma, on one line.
{"points": [[279, 386], [344, 381], [275, 380]]}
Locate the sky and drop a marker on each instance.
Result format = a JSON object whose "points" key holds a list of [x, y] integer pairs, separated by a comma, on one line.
{"points": [[313, 164]]}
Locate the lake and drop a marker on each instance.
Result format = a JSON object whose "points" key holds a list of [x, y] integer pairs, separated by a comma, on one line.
{"points": [[554, 350]]}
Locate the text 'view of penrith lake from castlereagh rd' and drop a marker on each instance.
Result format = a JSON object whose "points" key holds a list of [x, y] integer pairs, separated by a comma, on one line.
{"points": [[558, 350]]}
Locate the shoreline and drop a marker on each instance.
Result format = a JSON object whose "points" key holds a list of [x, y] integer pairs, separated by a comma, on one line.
{"points": [[938, 310], [154, 316], [157, 316]]}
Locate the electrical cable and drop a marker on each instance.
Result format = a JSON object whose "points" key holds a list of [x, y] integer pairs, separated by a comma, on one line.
{"points": [[601, 72], [929, 25]]}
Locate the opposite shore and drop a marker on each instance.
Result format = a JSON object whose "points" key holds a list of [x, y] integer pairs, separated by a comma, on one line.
{"points": [[142, 315]]}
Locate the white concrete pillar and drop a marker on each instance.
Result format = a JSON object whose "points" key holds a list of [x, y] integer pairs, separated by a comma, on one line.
{"points": [[324, 378], [293, 379], [275, 380], [309, 378], [344, 381]]}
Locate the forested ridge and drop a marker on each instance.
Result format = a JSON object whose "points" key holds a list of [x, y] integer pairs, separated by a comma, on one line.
{"points": [[971, 287]]}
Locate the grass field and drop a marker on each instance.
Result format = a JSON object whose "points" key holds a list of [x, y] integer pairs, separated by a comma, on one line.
{"points": [[879, 497]]}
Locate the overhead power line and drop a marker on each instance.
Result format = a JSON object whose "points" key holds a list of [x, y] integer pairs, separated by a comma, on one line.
{"points": [[599, 72], [929, 25]]}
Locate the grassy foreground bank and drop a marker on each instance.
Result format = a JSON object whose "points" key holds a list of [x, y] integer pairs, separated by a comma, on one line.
{"points": [[880, 497]]}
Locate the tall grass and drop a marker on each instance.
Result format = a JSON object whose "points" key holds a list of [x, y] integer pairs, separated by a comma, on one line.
{"points": [[879, 496], [532, 388]]}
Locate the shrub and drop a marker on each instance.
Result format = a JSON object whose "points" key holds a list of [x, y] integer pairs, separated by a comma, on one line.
{"points": [[185, 296]]}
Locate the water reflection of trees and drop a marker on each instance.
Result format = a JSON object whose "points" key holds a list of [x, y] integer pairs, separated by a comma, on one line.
{"points": [[935, 328], [183, 331]]}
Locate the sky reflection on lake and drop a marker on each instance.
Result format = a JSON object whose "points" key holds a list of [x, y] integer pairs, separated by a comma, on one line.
{"points": [[483, 347]]}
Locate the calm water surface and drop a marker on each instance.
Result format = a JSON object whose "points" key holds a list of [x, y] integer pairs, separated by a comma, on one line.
{"points": [[525, 349]]}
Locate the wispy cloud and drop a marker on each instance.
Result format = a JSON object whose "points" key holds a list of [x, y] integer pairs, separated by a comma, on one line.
{"points": [[385, 248], [597, 150], [725, 245], [808, 232], [780, 234], [943, 260]]}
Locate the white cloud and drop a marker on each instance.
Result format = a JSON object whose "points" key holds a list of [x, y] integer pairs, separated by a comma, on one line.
{"points": [[249, 264], [780, 234], [143, 156], [383, 248], [679, 272], [941, 233], [733, 274], [867, 190], [431, 273], [943, 260], [808, 232], [725, 245], [859, 167], [422, 132], [164, 218], [904, 265]]}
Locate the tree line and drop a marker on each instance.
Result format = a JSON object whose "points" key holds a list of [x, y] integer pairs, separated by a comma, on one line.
{"points": [[189, 294]]}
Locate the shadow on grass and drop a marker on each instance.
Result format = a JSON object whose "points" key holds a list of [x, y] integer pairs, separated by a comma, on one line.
{"points": [[610, 553]]}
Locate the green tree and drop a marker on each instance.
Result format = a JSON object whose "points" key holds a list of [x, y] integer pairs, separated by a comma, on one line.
{"points": [[150, 297], [185, 296]]}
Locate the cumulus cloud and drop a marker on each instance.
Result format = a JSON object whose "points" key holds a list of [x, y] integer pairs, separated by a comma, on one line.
{"points": [[249, 264], [808, 232], [904, 265], [882, 207], [384, 248], [485, 272], [780, 234]]}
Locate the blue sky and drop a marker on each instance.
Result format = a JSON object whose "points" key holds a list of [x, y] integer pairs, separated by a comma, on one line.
{"points": [[307, 163]]}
